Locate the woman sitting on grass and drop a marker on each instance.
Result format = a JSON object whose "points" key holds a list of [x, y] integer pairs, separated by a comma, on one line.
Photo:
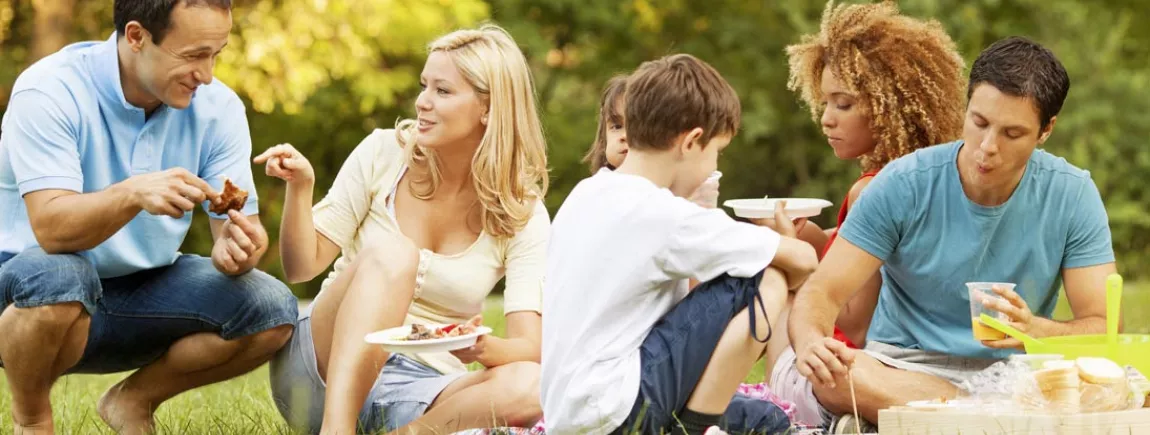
{"points": [[424, 220], [881, 85]]}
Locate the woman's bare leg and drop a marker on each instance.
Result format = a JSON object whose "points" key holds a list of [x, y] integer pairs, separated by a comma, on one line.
{"points": [[507, 395], [374, 293]]}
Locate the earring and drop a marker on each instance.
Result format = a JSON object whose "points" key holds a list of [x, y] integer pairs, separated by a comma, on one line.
{"points": [[484, 119]]}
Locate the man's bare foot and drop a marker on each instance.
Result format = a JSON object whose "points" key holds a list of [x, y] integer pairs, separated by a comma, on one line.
{"points": [[45, 428], [125, 415]]}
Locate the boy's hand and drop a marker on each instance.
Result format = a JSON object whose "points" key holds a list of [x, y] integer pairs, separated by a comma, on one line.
{"points": [[707, 195], [780, 223]]}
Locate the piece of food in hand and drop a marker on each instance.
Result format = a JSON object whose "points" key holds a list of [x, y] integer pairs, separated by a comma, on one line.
{"points": [[1100, 370], [232, 198]]}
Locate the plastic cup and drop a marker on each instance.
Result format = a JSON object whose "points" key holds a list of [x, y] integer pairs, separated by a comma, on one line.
{"points": [[980, 291]]}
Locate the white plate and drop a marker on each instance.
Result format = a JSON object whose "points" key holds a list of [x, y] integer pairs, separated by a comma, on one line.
{"points": [[929, 404], [950, 404], [392, 340], [765, 207]]}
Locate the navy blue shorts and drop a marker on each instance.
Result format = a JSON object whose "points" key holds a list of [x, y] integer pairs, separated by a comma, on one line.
{"points": [[136, 318], [677, 350]]}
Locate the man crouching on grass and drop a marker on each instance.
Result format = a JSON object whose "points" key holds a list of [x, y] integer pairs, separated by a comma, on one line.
{"points": [[626, 344], [105, 152]]}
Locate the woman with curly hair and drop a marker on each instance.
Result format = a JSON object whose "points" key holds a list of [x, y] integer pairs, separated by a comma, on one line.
{"points": [[881, 85]]}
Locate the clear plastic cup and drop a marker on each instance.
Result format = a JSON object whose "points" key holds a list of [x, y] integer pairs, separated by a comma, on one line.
{"points": [[707, 194], [980, 291]]}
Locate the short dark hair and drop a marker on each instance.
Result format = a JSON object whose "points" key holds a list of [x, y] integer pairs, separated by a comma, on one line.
{"points": [[154, 15], [1023, 68], [672, 95]]}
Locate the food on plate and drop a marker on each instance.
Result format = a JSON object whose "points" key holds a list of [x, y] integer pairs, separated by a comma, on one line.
{"points": [[423, 332], [232, 198]]}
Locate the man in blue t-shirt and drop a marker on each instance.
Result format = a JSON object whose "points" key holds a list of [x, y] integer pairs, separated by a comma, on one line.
{"points": [[987, 208], [107, 148]]}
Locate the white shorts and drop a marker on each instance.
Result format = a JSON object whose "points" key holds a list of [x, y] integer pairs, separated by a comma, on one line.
{"points": [[787, 383]]}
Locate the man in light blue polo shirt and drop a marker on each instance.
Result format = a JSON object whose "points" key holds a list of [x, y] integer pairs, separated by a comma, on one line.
{"points": [[987, 208], [107, 147]]}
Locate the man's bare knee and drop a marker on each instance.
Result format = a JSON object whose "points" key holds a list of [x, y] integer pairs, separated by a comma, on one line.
{"points": [[51, 320], [868, 387], [271, 340]]}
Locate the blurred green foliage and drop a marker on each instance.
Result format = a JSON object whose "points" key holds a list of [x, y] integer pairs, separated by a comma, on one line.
{"points": [[321, 74]]}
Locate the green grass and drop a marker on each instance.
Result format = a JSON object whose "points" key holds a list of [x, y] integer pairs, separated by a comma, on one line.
{"points": [[243, 405]]}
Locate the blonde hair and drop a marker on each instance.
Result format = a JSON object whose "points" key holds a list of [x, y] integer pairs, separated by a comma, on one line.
{"points": [[907, 72], [509, 169]]}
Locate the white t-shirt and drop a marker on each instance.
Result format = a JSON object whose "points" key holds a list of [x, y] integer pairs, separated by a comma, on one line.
{"points": [[621, 252]]}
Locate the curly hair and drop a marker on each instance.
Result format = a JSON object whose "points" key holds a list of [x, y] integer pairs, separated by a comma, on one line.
{"points": [[907, 72], [596, 157]]}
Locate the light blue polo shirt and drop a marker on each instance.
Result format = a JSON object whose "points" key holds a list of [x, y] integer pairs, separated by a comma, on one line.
{"points": [[69, 127], [932, 239]]}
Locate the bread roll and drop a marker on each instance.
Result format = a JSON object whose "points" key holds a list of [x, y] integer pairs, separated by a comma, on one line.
{"points": [[1100, 371]]}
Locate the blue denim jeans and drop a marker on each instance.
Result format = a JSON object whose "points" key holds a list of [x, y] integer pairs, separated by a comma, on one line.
{"points": [[403, 389], [136, 318], [676, 352]]}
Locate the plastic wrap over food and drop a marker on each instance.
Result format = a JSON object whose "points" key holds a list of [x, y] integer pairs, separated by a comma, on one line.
{"points": [[1036, 383], [997, 381]]}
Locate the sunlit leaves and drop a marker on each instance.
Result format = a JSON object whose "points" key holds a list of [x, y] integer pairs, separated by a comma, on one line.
{"points": [[282, 52]]}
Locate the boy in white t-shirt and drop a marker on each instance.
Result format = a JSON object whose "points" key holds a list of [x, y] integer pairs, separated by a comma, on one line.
{"points": [[627, 345]]}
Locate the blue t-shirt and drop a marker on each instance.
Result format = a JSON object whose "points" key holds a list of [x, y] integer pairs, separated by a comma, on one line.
{"points": [[932, 239], [68, 126]]}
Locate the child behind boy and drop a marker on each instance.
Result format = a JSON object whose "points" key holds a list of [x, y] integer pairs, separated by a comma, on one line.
{"points": [[610, 147], [626, 345]]}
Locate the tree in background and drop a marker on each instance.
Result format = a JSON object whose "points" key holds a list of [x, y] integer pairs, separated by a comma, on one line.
{"points": [[321, 74]]}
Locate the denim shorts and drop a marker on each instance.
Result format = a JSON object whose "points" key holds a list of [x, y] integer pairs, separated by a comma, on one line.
{"points": [[677, 351], [136, 318], [402, 392]]}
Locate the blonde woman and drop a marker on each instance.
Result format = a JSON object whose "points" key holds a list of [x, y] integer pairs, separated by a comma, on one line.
{"points": [[424, 220]]}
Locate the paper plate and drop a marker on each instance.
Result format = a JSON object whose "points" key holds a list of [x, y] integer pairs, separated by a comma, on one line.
{"points": [[393, 340], [934, 404], [765, 207]]}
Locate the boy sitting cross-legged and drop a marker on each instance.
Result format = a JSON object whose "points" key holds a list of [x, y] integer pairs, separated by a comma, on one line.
{"points": [[627, 345]]}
